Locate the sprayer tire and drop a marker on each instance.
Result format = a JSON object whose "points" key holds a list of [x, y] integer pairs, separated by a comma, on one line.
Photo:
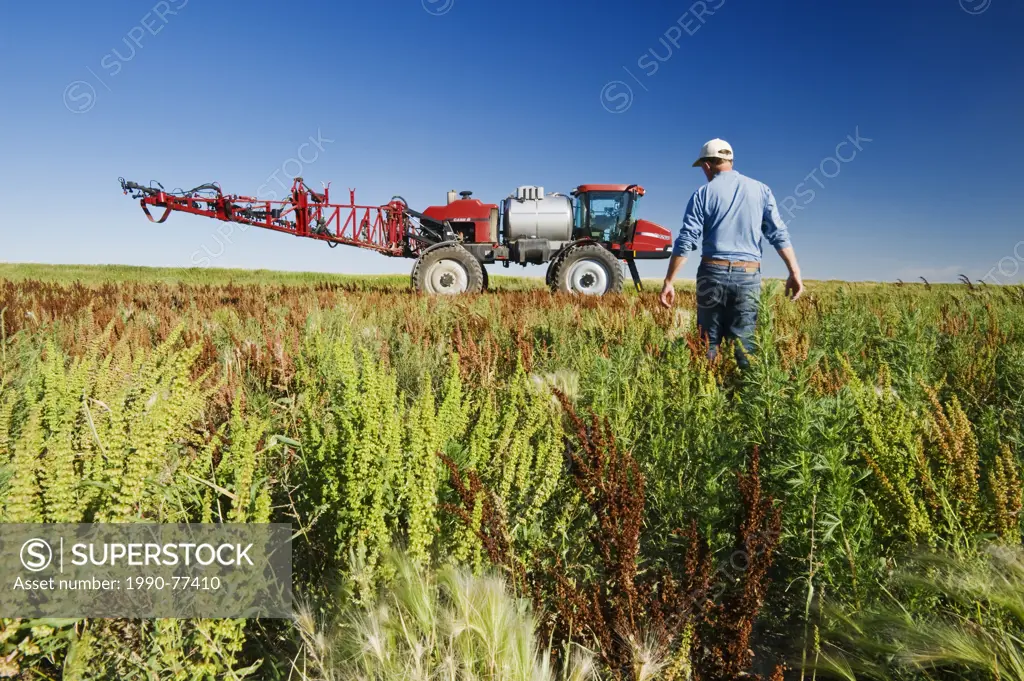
{"points": [[589, 269], [448, 270]]}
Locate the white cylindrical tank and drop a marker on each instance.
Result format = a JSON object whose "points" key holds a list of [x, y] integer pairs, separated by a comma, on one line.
{"points": [[452, 195], [532, 215]]}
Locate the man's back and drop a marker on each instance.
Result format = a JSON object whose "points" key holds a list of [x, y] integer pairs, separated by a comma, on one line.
{"points": [[729, 214]]}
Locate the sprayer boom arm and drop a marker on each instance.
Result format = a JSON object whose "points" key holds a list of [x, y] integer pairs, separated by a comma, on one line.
{"points": [[387, 229]]}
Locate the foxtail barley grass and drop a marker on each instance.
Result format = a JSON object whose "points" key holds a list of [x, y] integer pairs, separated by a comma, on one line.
{"points": [[975, 627], [448, 625]]}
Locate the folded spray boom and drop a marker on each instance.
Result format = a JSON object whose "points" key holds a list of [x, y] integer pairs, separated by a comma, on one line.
{"points": [[391, 229]]}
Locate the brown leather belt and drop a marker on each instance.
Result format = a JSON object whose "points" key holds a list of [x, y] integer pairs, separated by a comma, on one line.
{"points": [[744, 265]]}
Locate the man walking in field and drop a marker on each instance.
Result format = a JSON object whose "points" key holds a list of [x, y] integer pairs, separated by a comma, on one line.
{"points": [[729, 214]]}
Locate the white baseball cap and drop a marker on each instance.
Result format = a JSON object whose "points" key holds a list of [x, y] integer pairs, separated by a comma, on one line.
{"points": [[716, 148]]}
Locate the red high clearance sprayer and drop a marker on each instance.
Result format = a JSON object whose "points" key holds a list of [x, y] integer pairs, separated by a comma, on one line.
{"points": [[582, 236]]}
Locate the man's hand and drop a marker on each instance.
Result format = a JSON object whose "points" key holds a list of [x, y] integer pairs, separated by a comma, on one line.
{"points": [[668, 294], [794, 286], [668, 291]]}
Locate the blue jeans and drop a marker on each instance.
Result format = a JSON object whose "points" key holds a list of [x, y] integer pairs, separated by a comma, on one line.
{"points": [[727, 302]]}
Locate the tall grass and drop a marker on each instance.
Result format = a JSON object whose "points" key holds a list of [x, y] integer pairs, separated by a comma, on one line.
{"points": [[448, 625], [976, 627]]}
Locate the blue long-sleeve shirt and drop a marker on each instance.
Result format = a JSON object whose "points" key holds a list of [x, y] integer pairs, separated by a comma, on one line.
{"points": [[729, 215]]}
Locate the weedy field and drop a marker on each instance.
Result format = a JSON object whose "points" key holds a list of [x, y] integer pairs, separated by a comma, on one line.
{"points": [[518, 485]]}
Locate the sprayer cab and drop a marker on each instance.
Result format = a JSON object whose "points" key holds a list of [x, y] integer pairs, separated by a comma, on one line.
{"points": [[609, 213], [606, 212]]}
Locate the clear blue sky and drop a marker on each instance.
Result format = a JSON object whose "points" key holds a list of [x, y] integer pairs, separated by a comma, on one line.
{"points": [[421, 96]]}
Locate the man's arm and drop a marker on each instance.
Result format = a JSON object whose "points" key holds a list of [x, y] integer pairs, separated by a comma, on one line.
{"points": [[689, 235], [674, 265], [795, 283], [777, 233]]}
